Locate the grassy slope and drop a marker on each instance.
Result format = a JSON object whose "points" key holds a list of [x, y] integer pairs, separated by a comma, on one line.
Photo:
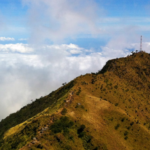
{"points": [[113, 106], [32, 109]]}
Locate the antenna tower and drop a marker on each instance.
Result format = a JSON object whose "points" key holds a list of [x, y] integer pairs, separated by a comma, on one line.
{"points": [[141, 44]]}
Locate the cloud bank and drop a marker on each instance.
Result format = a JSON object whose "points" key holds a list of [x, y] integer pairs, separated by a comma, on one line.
{"points": [[28, 75], [25, 76]]}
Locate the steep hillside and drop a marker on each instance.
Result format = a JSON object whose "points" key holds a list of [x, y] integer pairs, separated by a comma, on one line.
{"points": [[108, 110], [32, 109]]}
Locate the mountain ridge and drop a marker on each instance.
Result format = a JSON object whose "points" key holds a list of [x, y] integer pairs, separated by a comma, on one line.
{"points": [[107, 110]]}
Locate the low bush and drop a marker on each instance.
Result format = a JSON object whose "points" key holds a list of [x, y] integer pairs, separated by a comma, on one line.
{"points": [[63, 124], [64, 111], [117, 126], [79, 91], [80, 131]]}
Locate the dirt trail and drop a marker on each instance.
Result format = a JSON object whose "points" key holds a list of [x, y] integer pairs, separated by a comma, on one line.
{"points": [[70, 97]]}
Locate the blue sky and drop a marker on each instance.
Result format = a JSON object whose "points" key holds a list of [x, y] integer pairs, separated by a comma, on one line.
{"points": [[15, 18], [44, 43], [126, 8]]}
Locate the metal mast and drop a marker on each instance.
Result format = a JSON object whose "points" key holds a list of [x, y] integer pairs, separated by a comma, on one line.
{"points": [[141, 44]]}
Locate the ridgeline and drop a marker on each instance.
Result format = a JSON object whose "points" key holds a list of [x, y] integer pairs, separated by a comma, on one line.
{"points": [[107, 110]]}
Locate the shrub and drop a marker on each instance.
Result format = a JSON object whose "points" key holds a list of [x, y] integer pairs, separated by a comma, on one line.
{"points": [[39, 146], [67, 147], [122, 120], [82, 127], [80, 131], [64, 111], [128, 128], [63, 124], [116, 104], [82, 106], [117, 126], [82, 134], [71, 138], [125, 133], [92, 81], [131, 123], [116, 86], [79, 90], [106, 80]]}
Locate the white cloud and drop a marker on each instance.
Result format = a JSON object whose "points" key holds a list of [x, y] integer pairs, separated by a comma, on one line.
{"points": [[69, 48], [25, 77], [6, 39], [19, 47]]}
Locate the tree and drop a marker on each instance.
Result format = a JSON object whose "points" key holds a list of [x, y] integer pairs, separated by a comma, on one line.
{"points": [[64, 84]]}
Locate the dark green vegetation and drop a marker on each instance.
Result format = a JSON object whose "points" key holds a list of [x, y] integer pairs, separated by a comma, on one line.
{"points": [[61, 125], [64, 111], [108, 110]]}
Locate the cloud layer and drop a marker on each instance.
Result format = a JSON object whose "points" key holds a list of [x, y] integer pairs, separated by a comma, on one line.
{"points": [[25, 76], [30, 74]]}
